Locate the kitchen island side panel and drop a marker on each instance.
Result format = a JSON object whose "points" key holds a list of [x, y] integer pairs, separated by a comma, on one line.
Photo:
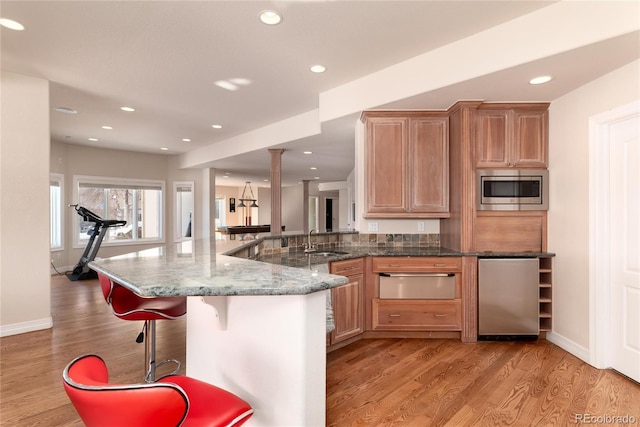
{"points": [[272, 354]]}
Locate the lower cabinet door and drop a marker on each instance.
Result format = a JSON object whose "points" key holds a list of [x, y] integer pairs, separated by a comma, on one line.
{"points": [[417, 315], [347, 309]]}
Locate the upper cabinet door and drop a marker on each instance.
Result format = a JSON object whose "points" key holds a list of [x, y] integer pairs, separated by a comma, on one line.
{"points": [[530, 138], [508, 136], [493, 134], [407, 161], [386, 164], [428, 183]]}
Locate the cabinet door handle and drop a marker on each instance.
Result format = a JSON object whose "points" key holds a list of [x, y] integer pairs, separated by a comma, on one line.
{"points": [[440, 265], [394, 315], [439, 315], [395, 265]]}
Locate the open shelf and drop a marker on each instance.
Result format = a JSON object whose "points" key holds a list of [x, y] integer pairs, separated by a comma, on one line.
{"points": [[545, 298]]}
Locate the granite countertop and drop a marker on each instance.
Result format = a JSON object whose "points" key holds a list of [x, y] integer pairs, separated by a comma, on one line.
{"points": [[197, 268], [319, 262]]}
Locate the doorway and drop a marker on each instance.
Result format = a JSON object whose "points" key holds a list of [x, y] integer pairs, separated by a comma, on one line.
{"points": [[331, 213], [614, 219]]}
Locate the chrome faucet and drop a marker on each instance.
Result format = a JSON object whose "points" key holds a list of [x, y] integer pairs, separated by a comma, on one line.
{"points": [[308, 247]]}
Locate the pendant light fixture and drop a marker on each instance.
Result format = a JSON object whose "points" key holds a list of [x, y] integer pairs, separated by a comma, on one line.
{"points": [[244, 199]]}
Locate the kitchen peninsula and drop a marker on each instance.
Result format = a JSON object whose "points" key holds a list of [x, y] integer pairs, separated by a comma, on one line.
{"points": [[256, 329]]}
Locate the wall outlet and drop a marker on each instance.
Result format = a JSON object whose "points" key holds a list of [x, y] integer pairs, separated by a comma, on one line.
{"points": [[420, 225], [373, 227]]}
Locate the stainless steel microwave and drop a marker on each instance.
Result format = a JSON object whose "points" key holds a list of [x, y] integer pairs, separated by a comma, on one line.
{"points": [[512, 189]]}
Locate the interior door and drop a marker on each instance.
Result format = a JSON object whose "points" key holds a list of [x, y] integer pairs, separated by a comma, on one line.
{"points": [[624, 214]]}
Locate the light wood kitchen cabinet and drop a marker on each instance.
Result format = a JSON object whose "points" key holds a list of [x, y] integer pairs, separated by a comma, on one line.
{"points": [[347, 300], [421, 315], [417, 314], [416, 264], [512, 135], [524, 231], [407, 164]]}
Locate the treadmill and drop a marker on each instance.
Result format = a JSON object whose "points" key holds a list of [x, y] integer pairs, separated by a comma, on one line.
{"points": [[100, 226]]}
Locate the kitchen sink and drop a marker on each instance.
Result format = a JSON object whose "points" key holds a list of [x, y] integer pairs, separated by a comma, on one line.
{"points": [[328, 253]]}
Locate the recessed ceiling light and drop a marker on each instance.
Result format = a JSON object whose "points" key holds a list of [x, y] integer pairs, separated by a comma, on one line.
{"points": [[93, 139], [308, 152], [164, 148], [127, 109], [225, 84], [107, 127], [265, 180], [11, 24], [318, 68], [540, 80], [316, 177], [313, 168], [225, 176], [270, 17], [240, 81], [65, 110], [216, 126], [186, 140]]}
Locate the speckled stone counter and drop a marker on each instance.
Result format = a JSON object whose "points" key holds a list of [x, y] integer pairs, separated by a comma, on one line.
{"points": [[196, 269], [318, 262], [253, 328]]}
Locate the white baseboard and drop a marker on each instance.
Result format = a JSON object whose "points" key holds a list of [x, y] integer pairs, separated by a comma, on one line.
{"points": [[22, 327], [566, 344]]}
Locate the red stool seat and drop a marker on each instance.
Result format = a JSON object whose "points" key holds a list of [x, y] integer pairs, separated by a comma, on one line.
{"points": [[175, 400], [127, 305]]}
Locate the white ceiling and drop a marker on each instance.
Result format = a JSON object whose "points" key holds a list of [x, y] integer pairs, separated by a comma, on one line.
{"points": [[163, 57]]}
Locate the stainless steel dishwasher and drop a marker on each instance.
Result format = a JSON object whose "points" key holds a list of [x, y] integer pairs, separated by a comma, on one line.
{"points": [[508, 292]]}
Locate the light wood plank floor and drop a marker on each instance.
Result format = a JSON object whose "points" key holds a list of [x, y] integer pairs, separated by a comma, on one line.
{"points": [[403, 382]]}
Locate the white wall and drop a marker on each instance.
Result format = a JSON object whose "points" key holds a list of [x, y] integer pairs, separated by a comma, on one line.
{"points": [[25, 295], [569, 194]]}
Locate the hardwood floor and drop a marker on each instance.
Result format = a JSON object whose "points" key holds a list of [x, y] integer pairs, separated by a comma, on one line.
{"points": [[382, 382], [415, 382], [31, 364]]}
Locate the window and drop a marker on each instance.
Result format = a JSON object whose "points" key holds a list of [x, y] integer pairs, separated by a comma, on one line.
{"points": [[183, 210], [56, 201], [221, 212], [139, 202]]}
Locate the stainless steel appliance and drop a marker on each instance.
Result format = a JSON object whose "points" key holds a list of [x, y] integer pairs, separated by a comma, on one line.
{"points": [[417, 286], [508, 292], [512, 189]]}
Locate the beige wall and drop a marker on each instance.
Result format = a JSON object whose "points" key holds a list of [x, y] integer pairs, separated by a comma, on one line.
{"points": [[70, 160], [569, 193], [232, 218], [25, 295]]}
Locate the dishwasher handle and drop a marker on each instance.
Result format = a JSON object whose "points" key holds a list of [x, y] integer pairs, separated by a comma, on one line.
{"points": [[417, 274]]}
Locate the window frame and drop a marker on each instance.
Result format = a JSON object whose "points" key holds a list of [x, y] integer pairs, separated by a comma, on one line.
{"points": [[58, 178], [177, 232], [113, 182]]}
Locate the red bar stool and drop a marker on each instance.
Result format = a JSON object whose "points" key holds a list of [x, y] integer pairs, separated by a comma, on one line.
{"points": [[128, 306], [174, 400]]}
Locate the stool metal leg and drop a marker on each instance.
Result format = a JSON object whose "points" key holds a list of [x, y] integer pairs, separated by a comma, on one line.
{"points": [[150, 351], [150, 354]]}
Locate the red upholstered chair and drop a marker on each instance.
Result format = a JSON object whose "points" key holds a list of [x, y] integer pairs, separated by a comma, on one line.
{"points": [[128, 306], [174, 400]]}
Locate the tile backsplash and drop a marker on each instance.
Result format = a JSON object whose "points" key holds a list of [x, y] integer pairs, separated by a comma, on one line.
{"points": [[338, 240]]}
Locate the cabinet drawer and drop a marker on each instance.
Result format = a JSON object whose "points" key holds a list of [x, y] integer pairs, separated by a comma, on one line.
{"points": [[417, 315], [347, 267], [416, 264]]}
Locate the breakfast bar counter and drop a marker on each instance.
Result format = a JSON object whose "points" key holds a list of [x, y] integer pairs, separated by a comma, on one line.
{"points": [[255, 329]]}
